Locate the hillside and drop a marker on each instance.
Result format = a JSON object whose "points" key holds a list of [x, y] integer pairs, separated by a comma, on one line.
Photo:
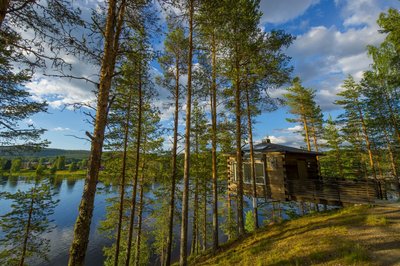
{"points": [[49, 153], [359, 235]]}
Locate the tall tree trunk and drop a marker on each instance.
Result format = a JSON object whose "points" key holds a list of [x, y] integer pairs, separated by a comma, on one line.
{"points": [[186, 166], [174, 168], [252, 163], [135, 178], [305, 126], [392, 115], [368, 143], [28, 228], [214, 143], [314, 136], [205, 215], [140, 216], [122, 185], [239, 160], [339, 161], [229, 208], [196, 197], [111, 42], [4, 4]]}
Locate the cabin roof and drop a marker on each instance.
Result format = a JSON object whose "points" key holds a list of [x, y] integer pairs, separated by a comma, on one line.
{"points": [[272, 147]]}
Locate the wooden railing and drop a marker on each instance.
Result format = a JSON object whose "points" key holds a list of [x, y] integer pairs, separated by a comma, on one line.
{"points": [[333, 190]]}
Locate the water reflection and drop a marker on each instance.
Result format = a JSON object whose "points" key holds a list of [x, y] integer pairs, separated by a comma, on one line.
{"points": [[69, 193]]}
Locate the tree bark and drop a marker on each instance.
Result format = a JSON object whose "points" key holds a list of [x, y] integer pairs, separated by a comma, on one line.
{"points": [[135, 178], [305, 125], [28, 227], [186, 167], [122, 186], [252, 163], [174, 168], [4, 4], [82, 225], [140, 217], [239, 165], [205, 216], [214, 144], [196, 195]]}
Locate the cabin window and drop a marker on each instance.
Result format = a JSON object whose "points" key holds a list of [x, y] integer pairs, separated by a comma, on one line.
{"points": [[259, 173]]}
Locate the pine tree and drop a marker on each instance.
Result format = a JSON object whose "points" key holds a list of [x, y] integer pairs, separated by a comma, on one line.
{"points": [[25, 224], [112, 32], [173, 63], [354, 118], [302, 105], [332, 163], [241, 28]]}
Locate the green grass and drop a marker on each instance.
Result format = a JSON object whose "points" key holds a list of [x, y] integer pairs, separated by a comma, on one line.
{"points": [[375, 220], [317, 239], [32, 173]]}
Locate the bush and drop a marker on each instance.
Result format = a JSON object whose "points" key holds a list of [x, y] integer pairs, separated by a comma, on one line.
{"points": [[73, 167], [250, 222]]}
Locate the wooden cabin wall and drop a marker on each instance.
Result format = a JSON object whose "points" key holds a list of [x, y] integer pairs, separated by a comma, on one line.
{"points": [[275, 175], [301, 166]]}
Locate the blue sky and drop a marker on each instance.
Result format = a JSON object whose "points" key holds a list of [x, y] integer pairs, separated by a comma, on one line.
{"points": [[331, 43]]}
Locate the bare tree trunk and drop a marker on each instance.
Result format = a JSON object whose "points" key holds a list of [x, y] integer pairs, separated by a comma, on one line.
{"points": [[252, 163], [205, 216], [140, 217], [174, 168], [196, 200], [229, 203], [135, 178], [122, 185], [4, 4], [239, 166], [214, 144], [305, 125], [28, 228], [82, 225], [186, 167]]}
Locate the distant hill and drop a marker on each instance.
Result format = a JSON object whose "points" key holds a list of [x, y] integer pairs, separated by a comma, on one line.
{"points": [[49, 153]]}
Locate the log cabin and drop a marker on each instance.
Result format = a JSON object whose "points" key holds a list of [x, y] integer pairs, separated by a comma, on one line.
{"points": [[285, 173]]}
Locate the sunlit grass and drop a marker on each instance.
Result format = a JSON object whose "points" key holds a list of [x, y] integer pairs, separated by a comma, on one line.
{"points": [[317, 239], [375, 220]]}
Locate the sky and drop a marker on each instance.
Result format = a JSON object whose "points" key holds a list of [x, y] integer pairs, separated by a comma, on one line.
{"points": [[331, 40]]}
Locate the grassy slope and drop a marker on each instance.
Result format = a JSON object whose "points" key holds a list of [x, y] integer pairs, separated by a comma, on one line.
{"points": [[352, 236]]}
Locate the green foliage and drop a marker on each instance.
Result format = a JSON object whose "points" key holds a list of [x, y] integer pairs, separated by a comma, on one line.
{"points": [[308, 114], [374, 220], [40, 169], [83, 164], [249, 225], [73, 167], [229, 227], [53, 168], [16, 165], [60, 162], [27, 221]]}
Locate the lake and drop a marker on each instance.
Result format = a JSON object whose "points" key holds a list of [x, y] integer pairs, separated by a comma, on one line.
{"points": [[69, 192]]}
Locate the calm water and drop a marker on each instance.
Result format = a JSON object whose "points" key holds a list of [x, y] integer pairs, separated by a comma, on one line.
{"points": [[69, 192]]}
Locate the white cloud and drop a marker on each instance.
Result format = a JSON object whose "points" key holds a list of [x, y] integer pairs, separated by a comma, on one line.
{"points": [[324, 56], [61, 129], [283, 10]]}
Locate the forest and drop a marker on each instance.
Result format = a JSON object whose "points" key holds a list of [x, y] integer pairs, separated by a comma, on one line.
{"points": [[170, 198]]}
